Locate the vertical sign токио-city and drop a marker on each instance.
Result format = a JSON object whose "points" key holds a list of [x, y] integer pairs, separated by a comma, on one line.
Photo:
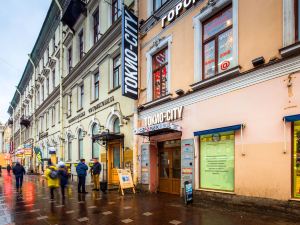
{"points": [[129, 54]]}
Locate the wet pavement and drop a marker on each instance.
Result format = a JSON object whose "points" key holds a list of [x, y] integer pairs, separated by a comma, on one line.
{"points": [[33, 206]]}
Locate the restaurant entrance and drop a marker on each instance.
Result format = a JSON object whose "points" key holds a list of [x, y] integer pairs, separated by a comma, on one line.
{"points": [[169, 161]]}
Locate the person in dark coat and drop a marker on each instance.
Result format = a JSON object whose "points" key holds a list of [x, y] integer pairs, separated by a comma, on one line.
{"points": [[19, 171], [81, 169], [96, 169], [63, 178], [8, 169]]}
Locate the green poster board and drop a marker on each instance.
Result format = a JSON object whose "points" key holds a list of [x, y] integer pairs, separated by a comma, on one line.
{"points": [[217, 162], [296, 159]]}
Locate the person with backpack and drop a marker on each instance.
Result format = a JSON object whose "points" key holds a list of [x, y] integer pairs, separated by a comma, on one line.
{"points": [[96, 170], [52, 178], [19, 171], [8, 169], [81, 169], [63, 178]]}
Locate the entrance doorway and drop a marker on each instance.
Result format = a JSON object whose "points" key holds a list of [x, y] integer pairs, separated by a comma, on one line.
{"points": [[114, 162], [169, 153]]}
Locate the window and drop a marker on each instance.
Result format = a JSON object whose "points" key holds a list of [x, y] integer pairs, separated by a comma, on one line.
{"points": [[81, 96], [158, 3], [38, 98], [116, 71], [116, 10], [80, 36], [96, 85], [69, 147], [53, 44], [53, 79], [116, 126], [80, 144], [42, 93], [47, 86], [160, 73], [69, 105], [69, 59], [217, 43], [96, 146], [96, 25], [46, 120], [53, 115]]}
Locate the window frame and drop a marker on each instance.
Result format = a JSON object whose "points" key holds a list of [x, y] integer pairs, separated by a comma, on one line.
{"points": [[81, 96], [96, 85], [81, 44], [114, 126], [93, 141], [80, 139], [70, 58], [116, 69], [115, 15], [69, 147], [161, 5], [53, 79], [214, 38], [96, 24], [160, 68]]}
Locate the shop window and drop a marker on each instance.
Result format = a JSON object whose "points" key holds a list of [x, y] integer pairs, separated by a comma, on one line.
{"points": [[96, 25], [69, 147], [158, 3], [116, 71], [116, 126], [160, 73], [217, 161], [80, 144], [116, 10], [217, 43], [296, 160], [96, 86], [96, 146]]}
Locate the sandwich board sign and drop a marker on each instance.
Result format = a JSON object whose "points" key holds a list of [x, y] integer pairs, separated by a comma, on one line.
{"points": [[125, 179]]}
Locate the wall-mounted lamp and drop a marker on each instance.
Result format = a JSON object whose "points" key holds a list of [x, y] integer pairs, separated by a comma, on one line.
{"points": [[258, 61]]}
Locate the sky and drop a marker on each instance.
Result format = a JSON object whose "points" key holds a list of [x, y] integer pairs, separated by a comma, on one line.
{"points": [[20, 23]]}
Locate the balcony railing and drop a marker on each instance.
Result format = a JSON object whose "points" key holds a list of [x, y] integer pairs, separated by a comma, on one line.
{"points": [[25, 121]]}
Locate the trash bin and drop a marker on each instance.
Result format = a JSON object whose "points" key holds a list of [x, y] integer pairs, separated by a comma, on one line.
{"points": [[103, 186]]}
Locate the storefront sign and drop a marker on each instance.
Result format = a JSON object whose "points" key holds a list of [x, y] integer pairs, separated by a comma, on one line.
{"points": [[296, 160], [176, 12], [129, 54], [27, 149], [101, 104], [168, 116], [38, 154], [217, 162], [145, 161], [77, 117], [187, 161], [143, 130], [125, 179]]}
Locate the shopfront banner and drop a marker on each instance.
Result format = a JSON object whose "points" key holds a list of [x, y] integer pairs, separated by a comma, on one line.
{"points": [[28, 149], [38, 153], [157, 127], [296, 160], [129, 54], [217, 162]]}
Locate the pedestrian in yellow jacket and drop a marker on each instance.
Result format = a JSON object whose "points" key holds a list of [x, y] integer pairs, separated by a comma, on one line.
{"points": [[52, 178]]}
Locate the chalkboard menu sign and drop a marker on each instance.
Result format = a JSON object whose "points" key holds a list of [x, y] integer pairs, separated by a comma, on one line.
{"points": [[188, 192]]}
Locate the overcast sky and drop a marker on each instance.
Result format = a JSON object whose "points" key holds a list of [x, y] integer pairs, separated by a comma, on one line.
{"points": [[20, 23]]}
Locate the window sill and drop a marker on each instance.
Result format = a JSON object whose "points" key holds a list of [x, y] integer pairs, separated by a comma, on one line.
{"points": [[80, 109], [216, 191], [155, 102], [294, 199], [290, 50], [95, 100], [68, 116], [114, 89], [53, 125], [218, 78]]}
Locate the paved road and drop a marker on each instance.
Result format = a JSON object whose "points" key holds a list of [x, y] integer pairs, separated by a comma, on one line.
{"points": [[32, 206]]}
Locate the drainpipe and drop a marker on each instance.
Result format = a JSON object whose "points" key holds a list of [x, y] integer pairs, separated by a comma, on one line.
{"points": [[13, 130], [61, 152], [20, 112], [33, 116]]}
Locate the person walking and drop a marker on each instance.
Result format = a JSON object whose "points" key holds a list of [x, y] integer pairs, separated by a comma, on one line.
{"points": [[81, 173], [52, 178], [63, 178], [8, 169], [19, 171], [96, 170]]}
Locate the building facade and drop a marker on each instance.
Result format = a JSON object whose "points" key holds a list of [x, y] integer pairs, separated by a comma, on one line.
{"points": [[219, 99], [70, 104]]}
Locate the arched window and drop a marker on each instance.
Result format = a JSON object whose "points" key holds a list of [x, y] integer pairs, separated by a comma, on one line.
{"points": [[117, 126], [96, 147], [69, 147], [80, 144]]}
